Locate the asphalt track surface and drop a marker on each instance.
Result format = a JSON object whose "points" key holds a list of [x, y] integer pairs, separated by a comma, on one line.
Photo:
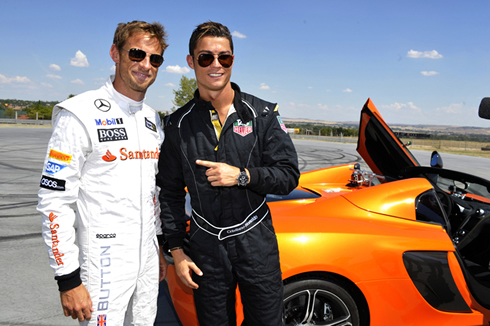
{"points": [[28, 292]]}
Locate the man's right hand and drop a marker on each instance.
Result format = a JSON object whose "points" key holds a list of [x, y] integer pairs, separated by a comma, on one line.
{"points": [[77, 303], [184, 266]]}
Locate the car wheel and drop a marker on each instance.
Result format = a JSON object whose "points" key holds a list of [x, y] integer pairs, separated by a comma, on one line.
{"points": [[318, 302]]}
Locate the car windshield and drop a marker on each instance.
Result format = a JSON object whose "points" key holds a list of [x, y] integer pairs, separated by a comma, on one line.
{"points": [[452, 182], [463, 186]]}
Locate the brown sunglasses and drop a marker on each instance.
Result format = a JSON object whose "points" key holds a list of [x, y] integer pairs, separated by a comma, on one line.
{"points": [[138, 55], [206, 59]]}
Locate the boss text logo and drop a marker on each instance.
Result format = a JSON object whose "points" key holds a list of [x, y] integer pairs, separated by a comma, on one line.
{"points": [[113, 134]]}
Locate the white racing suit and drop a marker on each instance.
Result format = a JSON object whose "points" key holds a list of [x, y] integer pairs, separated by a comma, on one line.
{"points": [[103, 156]]}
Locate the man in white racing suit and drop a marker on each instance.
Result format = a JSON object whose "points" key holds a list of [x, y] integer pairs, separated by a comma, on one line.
{"points": [[103, 156]]}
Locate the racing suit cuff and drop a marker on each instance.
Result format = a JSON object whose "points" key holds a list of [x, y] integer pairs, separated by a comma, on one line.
{"points": [[254, 177], [161, 239], [69, 281], [175, 242]]}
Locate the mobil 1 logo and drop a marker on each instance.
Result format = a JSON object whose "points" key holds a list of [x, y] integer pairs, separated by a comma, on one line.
{"points": [[113, 134]]}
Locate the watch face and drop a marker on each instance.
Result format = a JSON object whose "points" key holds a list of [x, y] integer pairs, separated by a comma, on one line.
{"points": [[242, 179]]}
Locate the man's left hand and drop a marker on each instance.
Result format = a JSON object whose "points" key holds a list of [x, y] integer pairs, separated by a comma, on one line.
{"points": [[220, 174]]}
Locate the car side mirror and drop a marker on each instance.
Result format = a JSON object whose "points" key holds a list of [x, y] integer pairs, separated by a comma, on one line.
{"points": [[484, 110], [435, 160]]}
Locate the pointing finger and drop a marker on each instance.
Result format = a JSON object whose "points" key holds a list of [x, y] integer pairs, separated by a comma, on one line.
{"points": [[207, 164]]}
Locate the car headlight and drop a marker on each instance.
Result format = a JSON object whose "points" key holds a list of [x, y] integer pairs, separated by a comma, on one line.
{"points": [[431, 275]]}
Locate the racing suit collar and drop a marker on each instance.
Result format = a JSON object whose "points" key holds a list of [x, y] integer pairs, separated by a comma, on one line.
{"points": [[124, 102], [243, 113]]}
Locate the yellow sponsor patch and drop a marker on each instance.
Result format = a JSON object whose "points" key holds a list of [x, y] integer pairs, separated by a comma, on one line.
{"points": [[60, 156]]}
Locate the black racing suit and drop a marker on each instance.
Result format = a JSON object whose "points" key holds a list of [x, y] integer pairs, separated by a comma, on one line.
{"points": [[232, 239]]}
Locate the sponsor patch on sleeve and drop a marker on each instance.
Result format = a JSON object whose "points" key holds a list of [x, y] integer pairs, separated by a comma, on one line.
{"points": [[283, 126], [150, 125], [52, 183], [52, 167], [54, 154]]}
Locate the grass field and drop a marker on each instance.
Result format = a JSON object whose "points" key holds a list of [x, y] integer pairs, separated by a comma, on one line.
{"points": [[450, 146]]}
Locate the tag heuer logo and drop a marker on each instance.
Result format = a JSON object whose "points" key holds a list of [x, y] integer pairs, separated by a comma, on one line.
{"points": [[241, 128]]}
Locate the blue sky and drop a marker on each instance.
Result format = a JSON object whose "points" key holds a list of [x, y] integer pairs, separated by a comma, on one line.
{"points": [[421, 62]]}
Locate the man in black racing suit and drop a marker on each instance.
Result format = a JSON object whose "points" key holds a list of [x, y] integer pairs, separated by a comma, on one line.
{"points": [[229, 149]]}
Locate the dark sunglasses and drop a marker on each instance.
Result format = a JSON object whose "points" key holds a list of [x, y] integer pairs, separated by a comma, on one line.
{"points": [[138, 55], [207, 59]]}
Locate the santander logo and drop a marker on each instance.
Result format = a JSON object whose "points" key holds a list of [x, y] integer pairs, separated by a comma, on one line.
{"points": [[108, 157], [52, 217]]}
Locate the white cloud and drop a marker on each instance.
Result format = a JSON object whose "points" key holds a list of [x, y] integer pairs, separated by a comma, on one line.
{"points": [[113, 68], [169, 85], [53, 76], [77, 81], [347, 90], [429, 73], [54, 67], [264, 86], [426, 54], [310, 87], [401, 106], [323, 106], [177, 69], [452, 109], [238, 34], [99, 81], [46, 85], [80, 60], [161, 96], [16, 79]]}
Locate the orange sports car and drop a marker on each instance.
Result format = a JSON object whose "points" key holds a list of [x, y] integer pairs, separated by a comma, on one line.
{"points": [[399, 245]]}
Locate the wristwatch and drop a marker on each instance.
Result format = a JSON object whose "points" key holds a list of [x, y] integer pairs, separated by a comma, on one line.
{"points": [[242, 178]]}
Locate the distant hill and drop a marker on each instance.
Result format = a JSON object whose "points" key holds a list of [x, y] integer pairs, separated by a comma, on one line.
{"points": [[429, 129]]}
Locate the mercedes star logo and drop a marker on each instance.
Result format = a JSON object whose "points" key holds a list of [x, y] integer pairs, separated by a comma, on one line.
{"points": [[102, 105]]}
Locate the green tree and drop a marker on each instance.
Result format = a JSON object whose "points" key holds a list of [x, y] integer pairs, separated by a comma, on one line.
{"points": [[43, 112], [185, 93], [9, 113]]}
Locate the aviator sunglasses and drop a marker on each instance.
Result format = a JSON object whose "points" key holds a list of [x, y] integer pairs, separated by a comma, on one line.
{"points": [[138, 55], [206, 59]]}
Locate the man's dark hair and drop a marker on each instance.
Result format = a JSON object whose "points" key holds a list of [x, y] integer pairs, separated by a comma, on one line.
{"points": [[209, 29], [125, 30]]}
